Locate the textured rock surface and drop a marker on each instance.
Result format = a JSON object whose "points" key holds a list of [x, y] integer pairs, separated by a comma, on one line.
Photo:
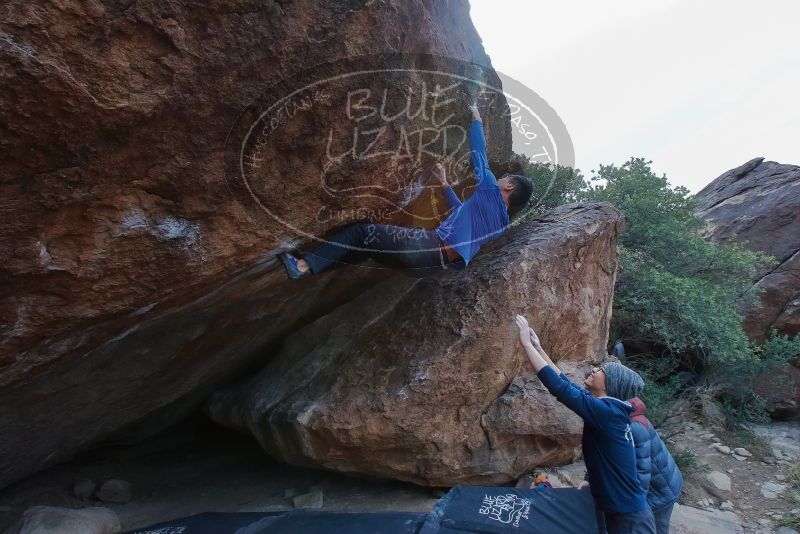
{"points": [[759, 203], [53, 520], [133, 282], [423, 380], [780, 388], [690, 520], [115, 490]]}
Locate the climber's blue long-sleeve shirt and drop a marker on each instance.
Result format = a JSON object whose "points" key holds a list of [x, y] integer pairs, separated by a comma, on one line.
{"points": [[607, 444], [483, 216]]}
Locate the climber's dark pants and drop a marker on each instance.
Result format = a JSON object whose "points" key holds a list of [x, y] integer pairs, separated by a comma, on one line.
{"points": [[416, 249]]}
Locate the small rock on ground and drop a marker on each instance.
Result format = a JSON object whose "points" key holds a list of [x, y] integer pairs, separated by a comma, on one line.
{"points": [[721, 481], [116, 491], [84, 488], [727, 505], [54, 520], [771, 490], [313, 500]]}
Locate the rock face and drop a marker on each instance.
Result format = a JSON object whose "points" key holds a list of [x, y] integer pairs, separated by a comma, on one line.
{"points": [[780, 388], [134, 279], [424, 380], [759, 203]]}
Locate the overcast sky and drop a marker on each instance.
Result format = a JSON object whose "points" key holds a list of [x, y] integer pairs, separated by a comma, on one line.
{"points": [[698, 87]]}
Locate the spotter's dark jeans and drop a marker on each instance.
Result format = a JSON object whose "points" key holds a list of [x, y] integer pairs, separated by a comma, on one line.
{"points": [[630, 523]]}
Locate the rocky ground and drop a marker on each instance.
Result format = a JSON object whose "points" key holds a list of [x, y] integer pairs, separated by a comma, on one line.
{"points": [[736, 481], [753, 485], [195, 468]]}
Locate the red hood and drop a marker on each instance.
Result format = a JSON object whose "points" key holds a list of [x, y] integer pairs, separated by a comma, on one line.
{"points": [[638, 406]]}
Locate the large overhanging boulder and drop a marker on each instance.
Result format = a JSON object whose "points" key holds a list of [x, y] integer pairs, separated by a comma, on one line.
{"points": [[758, 204], [424, 380], [136, 277]]}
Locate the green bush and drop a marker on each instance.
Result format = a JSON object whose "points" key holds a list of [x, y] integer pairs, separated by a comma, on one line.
{"points": [[658, 395], [778, 350], [686, 461], [674, 289], [553, 185], [793, 474], [740, 401], [791, 520]]}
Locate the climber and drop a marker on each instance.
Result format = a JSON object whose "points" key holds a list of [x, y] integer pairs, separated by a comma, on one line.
{"points": [[607, 442], [478, 220]]}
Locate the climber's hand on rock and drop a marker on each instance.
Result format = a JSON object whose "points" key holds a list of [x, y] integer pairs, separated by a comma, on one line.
{"points": [[524, 332], [439, 174], [476, 115]]}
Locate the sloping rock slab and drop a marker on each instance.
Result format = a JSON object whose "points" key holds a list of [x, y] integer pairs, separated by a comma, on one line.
{"points": [[424, 380], [689, 520]]}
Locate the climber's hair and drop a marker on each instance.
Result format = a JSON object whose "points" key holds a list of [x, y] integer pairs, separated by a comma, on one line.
{"points": [[523, 189]]}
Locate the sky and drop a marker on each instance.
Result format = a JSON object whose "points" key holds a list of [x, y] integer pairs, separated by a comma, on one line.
{"points": [[698, 87]]}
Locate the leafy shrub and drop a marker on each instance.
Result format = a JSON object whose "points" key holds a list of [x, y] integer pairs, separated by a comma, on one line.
{"points": [[553, 185], [674, 287], [658, 396], [740, 401], [675, 290], [793, 474], [791, 520], [686, 461]]}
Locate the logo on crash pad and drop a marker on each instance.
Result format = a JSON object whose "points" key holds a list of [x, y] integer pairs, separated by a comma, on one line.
{"points": [[508, 509], [353, 140]]}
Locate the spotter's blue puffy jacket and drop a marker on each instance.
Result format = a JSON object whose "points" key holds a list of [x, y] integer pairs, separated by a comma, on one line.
{"points": [[658, 473]]}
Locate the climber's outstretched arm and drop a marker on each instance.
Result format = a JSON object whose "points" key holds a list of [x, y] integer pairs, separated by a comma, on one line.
{"points": [[533, 348], [449, 195], [477, 145]]}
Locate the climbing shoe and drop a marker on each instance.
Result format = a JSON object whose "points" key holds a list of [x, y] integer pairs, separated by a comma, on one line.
{"points": [[290, 262]]}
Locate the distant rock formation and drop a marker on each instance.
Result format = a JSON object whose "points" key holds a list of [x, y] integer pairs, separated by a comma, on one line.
{"points": [[759, 203], [134, 280], [425, 381]]}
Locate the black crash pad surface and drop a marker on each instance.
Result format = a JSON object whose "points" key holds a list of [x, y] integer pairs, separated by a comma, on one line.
{"points": [[295, 521], [467, 509], [493, 510]]}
